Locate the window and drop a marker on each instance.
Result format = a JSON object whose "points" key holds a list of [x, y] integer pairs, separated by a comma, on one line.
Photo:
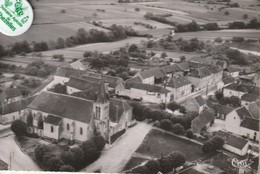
{"points": [[81, 131], [97, 112], [68, 126], [52, 129]]}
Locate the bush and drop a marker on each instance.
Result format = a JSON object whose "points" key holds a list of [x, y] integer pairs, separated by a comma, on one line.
{"points": [[99, 142], [55, 163], [218, 40], [141, 169], [78, 158], [177, 158], [153, 166], [90, 151], [189, 133], [178, 129], [213, 144], [166, 164], [19, 128]]}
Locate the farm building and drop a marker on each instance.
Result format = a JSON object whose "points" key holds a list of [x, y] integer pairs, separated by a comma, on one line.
{"points": [[203, 121], [195, 104], [234, 143]]}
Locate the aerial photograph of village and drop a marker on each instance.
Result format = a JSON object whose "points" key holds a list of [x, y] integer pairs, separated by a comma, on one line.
{"points": [[133, 86]]}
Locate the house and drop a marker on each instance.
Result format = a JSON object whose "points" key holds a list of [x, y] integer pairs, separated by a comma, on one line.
{"points": [[195, 104], [111, 82], [59, 116], [145, 92], [63, 74], [226, 80], [10, 95], [222, 111], [200, 78], [76, 84], [184, 66], [172, 70], [234, 143], [235, 89], [241, 122], [152, 76], [217, 74], [210, 61], [248, 98], [180, 86], [79, 64], [202, 121], [253, 108], [233, 71], [14, 111]]}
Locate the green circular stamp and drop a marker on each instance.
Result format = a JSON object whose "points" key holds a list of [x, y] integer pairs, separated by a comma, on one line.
{"points": [[16, 17]]}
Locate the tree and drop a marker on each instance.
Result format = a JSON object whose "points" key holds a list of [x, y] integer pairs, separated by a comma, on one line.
{"points": [[173, 106], [211, 26], [189, 133], [42, 72], [90, 151], [182, 58], [99, 142], [67, 168], [141, 169], [55, 163], [67, 157], [218, 142], [208, 147], [245, 16], [60, 43], [78, 157], [218, 40], [40, 151], [133, 48], [59, 88], [235, 101], [166, 124], [178, 129], [226, 13], [41, 46], [166, 164], [177, 158], [164, 54], [219, 95], [153, 166], [19, 128]]}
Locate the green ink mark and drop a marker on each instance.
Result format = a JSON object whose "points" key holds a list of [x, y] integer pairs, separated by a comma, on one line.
{"points": [[19, 8], [25, 19], [8, 3], [7, 22]]}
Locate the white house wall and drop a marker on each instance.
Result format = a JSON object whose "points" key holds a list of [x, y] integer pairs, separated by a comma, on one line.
{"points": [[232, 122]]}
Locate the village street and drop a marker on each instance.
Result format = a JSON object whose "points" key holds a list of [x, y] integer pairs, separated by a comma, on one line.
{"points": [[114, 159], [19, 160]]}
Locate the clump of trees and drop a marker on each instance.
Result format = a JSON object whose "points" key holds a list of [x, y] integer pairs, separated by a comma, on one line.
{"points": [[39, 68], [72, 159], [158, 18], [173, 106], [213, 144], [232, 101], [59, 88], [192, 26], [165, 164]]}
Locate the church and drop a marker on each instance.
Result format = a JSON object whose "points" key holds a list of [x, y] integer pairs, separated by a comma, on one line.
{"points": [[79, 116]]}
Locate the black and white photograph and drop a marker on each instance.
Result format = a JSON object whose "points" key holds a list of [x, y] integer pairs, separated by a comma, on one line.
{"points": [[130, 86]]}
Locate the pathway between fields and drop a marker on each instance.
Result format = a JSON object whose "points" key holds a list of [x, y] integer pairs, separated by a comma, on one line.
{"points": [[113, 160]]}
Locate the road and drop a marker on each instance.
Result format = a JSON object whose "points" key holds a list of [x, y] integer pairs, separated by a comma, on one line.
{"points": [[114, 159], [20, 161]]}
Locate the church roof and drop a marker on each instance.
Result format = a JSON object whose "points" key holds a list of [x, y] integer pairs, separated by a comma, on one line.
{"points": [[63, 106]]}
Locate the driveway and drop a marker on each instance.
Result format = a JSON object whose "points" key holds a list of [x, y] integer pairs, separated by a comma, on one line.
{"points": [[20, 161], [114, 159]]}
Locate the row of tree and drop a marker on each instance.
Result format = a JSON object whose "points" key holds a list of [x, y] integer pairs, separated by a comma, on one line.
{"points": [[72, 159], [142, 112], [164, 164], [252, 24]]}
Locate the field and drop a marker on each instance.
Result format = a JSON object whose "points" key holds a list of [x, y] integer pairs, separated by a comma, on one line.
{"points": [[224, 34], [158, 143]]}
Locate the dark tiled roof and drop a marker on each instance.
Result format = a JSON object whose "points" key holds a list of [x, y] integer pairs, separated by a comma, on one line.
{"points": [[243, 112], [249, 97], [228, 79], [237, 87], [156, 72], [43, 85], [16, 106], [91, 79], [69, 72], [177, 82], [254, 90], [10, 93], [80, 83], [254, 109], [202, 120], [199, 100], [220, 63], [232, 140], [250, 123], [184, 66], [64, 106], [53, 120], [221, 109], [171, 68], [200, 72], [214, 69], [116, 109], [196, 65], [134, 80], [111, 80], [147, 87]]}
